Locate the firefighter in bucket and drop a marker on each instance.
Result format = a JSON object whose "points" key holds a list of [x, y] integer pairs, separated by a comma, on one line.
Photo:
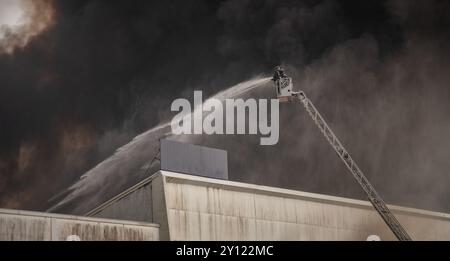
{"points": [[278, 74], [283, 84]]}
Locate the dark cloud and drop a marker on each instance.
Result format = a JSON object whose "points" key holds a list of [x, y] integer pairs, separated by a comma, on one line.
{"points": [[104, 67], [292, 32], [107, 70]]}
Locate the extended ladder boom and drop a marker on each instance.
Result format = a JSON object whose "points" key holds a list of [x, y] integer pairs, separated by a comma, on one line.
{"points": [[373, 196]]}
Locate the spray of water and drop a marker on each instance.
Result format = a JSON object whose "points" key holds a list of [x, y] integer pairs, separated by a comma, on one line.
{"points": [[132, 161]]}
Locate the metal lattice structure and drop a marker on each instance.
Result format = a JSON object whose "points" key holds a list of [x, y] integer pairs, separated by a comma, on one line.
{"points": [[372, 195]]}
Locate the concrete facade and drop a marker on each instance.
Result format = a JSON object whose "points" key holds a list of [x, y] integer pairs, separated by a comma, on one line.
{"points": [[197, 208], [37, 226]]}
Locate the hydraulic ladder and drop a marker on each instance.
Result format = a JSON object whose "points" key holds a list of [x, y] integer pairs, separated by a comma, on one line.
{"points": [[372, 195]]}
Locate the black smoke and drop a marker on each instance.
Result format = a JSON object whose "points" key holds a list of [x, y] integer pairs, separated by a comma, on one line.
{"points": [[108, 70]]}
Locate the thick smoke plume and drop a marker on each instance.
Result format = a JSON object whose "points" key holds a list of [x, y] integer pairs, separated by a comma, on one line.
{"points": [[108, 70], [21, 21]]}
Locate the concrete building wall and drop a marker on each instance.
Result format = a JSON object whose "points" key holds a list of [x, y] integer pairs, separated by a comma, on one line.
{"points": [[206, 209], [38, 226], [143, 202], [133, 204], [198, 208]]}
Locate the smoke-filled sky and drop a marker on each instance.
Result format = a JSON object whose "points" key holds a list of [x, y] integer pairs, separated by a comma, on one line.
{"points": [[80, 78]]}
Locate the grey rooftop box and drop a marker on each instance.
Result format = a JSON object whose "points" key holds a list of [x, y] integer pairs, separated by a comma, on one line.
{"points": [[192, 159]]}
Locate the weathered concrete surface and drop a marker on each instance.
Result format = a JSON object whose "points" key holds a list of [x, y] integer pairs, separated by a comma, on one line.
{"points": [[198, 208], [143, 202], [206, 209], [134, 204], [26, 225]]}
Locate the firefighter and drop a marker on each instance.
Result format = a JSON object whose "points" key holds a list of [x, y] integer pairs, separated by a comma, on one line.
{"points": [[278, 74]]}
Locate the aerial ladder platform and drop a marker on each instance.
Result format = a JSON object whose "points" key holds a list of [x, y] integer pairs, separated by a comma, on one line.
{"points": [[285, 93]]}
